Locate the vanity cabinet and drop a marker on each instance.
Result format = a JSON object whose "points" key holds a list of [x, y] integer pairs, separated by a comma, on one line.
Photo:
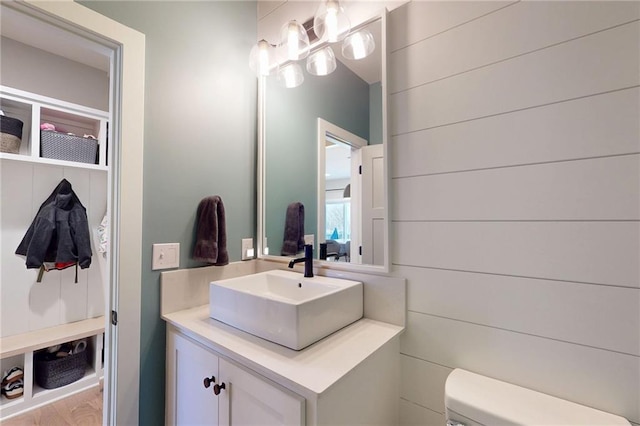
{"points": [[205, 388], [351, 377]]}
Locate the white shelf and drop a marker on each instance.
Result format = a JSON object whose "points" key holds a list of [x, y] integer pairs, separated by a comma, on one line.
{"points": [[33, 110], [88, 379], [20, 349], [51, 161], [40, 339], [7, 403]]}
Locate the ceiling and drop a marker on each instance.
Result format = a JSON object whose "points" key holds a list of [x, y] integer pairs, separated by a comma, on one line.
{"points": [[337, 161], [58, 41]]}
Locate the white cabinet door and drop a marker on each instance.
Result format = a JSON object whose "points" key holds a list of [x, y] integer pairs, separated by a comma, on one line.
{"points": [[189, 402], [249, 400]]}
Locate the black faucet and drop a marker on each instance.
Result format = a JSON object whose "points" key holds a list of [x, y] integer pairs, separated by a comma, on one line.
{"points": [[307, 259], [324, 255]]}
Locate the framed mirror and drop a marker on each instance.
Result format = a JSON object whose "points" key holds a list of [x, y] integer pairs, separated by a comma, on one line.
{"points": [[323, 155]]}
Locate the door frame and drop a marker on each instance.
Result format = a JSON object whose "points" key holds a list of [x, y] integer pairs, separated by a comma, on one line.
{"points": [[356, 143], [122, 343]]}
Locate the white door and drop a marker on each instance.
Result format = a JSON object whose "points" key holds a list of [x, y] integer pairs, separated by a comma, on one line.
{"points": [[373, 205], [249, 400], [192, 372]]}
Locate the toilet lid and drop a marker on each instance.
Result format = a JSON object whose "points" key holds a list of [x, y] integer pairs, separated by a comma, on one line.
{"points": [[492, 402]]}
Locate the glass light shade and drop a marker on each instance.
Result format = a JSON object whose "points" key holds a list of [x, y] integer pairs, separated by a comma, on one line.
{"points": [[294, 41], [262, 58], [322, 62], [331, 22], [358, 45], [290, 75]]}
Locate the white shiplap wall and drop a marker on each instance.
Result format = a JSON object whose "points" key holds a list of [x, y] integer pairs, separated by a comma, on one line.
{"points": [[26, 305], [515, 209]]}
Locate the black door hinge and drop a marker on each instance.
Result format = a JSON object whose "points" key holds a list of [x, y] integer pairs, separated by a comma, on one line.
{"points": [[114, 318], [360, 169], [360, 250]]}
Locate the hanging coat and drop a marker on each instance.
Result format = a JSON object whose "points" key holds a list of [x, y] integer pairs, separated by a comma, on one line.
{"points": [[60, 231]]}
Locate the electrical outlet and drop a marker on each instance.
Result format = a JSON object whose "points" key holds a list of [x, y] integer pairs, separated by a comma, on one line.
{"points": [[165, 256], [309, 239], [247, 248]]}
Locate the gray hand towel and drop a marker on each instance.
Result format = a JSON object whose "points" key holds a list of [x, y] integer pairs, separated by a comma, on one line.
{"points": [[293, 230], [211, 233]]}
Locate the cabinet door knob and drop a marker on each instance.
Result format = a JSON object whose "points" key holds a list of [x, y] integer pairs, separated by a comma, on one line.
{"points": [[217, 388], [208, 381]]}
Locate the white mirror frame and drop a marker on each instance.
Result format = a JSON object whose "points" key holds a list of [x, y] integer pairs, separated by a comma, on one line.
{"points": [[376, 269]]}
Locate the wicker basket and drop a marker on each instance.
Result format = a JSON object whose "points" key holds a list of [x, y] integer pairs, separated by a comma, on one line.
{"points": [[53, 373], [10, 134], [67, 147]]}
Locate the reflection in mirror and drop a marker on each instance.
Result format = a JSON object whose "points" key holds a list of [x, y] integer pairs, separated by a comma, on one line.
{"points": [[339, 155], [314, 139]]}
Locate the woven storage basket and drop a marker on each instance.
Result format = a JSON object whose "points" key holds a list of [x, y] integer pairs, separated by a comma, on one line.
{"points": [[67, 147], [10, 134], [53, 373]]}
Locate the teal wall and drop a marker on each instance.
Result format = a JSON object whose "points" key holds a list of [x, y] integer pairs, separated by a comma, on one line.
{"points": [[375, 113], [200, 140], [291, 154]]}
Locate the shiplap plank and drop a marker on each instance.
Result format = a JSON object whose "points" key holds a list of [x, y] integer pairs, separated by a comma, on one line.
{"points": [[16, 181], [529, 25], [97, 288], [73, 296], [419, 20], [594, 189], [549, 366], [423, 382], [598, 63], [603, 125], [43, 309], [600, 316], [592, 252], [415, 415]]}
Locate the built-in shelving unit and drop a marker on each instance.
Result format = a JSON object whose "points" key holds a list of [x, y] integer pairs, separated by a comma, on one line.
{"points": [[58, 310], [19, 350], [34, 110]]}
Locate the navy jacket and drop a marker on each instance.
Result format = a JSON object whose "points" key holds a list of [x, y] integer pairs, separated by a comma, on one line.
{"points": [[59, 232]]}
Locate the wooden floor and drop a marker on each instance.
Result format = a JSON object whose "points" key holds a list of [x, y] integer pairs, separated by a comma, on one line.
{"points": [[81, 409]]}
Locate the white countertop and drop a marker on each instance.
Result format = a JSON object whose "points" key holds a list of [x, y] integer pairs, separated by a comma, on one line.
{"points": [[313, 369]]}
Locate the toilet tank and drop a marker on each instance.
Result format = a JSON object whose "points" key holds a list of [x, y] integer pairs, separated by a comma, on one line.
{"points": [[471, 399]]}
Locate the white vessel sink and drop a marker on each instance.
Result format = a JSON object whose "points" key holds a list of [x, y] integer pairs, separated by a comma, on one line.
{"points": [[286, 308]]}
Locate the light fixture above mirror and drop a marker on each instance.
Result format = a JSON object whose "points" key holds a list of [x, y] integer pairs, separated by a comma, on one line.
{"points": [[358, 45], [330, 24], [290, 75], [322, 62], [294, 41], [261, 58]]}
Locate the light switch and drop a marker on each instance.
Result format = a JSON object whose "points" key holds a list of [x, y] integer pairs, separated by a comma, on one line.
{"points": [[247, 248], [309, 239], [166, 256]]}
